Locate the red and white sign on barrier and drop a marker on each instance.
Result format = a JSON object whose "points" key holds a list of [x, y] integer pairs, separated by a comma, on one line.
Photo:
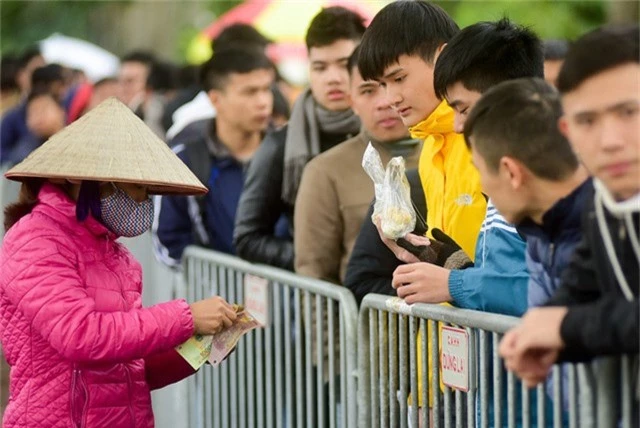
{"points": [[454, 358], [256, 298]]}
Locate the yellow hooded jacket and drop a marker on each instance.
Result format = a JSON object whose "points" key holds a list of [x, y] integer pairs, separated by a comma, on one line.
{"points": [[455, 203]]}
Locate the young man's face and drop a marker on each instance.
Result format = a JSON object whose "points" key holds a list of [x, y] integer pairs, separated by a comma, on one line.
{"points": [[328, 75], [504, 191], [602, 122], [409, 88], [246, 101], [132, 80], [461, 101], [45, 117], [369, 102]]}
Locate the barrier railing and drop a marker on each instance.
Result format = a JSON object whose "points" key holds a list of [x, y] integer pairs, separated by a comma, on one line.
{"points": [[479, 392], [291, 373]]}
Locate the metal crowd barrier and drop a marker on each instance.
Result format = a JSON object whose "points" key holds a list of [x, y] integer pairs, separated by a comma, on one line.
{"points": [[480, 392], [278, 376]]}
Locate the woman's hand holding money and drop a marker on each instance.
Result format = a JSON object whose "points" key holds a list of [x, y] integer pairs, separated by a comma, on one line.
{"points": [[212, 315]]}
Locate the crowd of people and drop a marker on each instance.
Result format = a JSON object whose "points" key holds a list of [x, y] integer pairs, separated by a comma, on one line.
{"points": [[523, 161]]}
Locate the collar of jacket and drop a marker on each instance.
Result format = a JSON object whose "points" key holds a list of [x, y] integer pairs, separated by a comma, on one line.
{"points": [[56, 203], [440, 121], [218, 150], [564, 216]]}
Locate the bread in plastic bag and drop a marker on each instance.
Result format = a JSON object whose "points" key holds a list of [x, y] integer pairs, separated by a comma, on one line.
{"points": [[393, 195]]}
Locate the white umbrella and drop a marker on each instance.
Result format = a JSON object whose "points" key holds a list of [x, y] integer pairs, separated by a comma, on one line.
{"points": [[96, 62]]}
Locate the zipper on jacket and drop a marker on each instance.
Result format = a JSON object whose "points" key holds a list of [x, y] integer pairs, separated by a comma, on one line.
{"points": [[552, 250], [78, 420], [129, 387]]}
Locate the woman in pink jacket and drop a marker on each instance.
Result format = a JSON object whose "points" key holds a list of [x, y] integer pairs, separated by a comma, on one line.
{"points": [[83, 351]]}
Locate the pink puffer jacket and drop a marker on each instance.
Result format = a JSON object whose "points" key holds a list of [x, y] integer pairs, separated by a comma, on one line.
{"points": [[83, 352]]}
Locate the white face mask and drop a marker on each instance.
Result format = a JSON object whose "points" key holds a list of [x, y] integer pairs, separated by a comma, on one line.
{"points": [[124, 216]]}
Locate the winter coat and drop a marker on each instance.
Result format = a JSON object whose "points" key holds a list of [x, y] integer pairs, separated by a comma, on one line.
{"points": [[451, 183], [83, 352], [600, 320], [261, 205]]}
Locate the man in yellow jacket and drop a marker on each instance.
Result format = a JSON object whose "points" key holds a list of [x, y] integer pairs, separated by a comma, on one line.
{"points": [[403, 62]]}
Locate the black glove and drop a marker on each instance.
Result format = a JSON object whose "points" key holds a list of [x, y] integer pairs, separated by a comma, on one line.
{"points": [[443, 251]]}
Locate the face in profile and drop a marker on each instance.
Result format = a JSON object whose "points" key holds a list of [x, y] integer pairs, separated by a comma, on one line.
{"points": [[132, 81], [409, 88], [328, 74], [461, 100], [602, 122]]}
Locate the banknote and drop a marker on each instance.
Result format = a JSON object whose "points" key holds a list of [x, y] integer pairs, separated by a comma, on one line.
{"points": [[196, 350], [225, 341]]}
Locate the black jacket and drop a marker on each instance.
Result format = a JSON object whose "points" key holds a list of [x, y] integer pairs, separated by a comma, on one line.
{"points": [[600, 320], [261, 206], [371, 265]]}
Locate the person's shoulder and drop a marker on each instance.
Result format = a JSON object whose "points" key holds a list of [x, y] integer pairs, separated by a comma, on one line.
{"points": [[276, 137], [345, 153]]}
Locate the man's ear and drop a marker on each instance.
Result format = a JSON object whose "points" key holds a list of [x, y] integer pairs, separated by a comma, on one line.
{"points": [[513, 171], [214, 97], [438, 52]]}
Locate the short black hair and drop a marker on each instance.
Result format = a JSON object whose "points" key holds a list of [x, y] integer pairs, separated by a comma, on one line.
{"points": [[555, 49], [215, 72], [163, 76], [240, 35], [352, 63], [519, 118], [332, 24], [45, 76], [144, 57], [487, 53], [39, 92], [597, 51], [404, 28]]}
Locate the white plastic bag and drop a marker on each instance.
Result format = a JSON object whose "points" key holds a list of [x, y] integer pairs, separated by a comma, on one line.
{"points": [[393, 195]]}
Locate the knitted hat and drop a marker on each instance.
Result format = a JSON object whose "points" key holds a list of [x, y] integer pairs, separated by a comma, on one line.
{"points": [[110, 143]]}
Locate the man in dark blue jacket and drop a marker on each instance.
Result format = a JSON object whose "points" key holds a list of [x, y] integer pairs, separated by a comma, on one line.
{"points": [[595, 311], [238, 82]]}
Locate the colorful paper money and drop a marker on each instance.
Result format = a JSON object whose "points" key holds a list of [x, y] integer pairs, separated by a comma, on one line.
{"points": [[225, 341], [198, 349]]}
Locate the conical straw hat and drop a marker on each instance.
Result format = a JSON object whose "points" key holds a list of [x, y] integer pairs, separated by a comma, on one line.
{"points": [[110, 143]]}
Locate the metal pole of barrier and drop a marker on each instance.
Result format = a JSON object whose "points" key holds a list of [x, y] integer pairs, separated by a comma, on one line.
{"points": [[373, 331], [447, 405], [435, 372], [557, 396], [364, 368], [288, 360], [413, 334], [260, 375], [459, 415], [607, 394], [394, 370], [278, 298], [404, 372], [586, 393], [526, 406], [298, 358], [627, 395], [320, 361], [243, 393], [511, 400], [484, 381], [425, 379], [542, 414], [473, 378], [383, 357], [232, 362], [308, 336], [497, 381], [332, 368], [573, 402]]}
